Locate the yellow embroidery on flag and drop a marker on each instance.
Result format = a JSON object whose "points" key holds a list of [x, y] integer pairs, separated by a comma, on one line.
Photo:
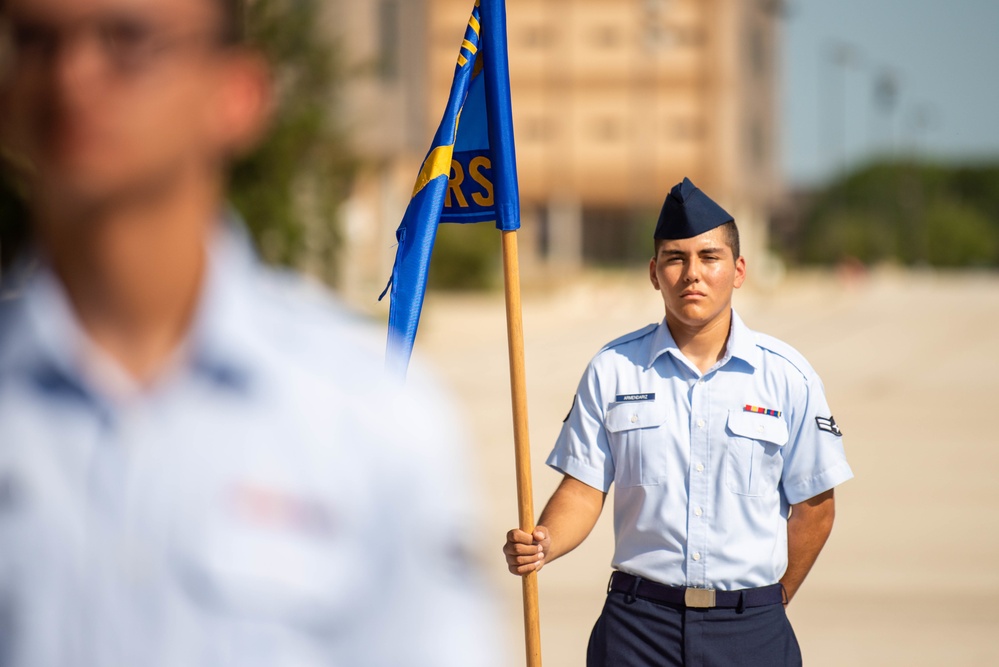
{"points": [[437, 164]]}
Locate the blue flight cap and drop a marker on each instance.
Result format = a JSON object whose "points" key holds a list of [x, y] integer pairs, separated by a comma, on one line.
{"points": [[688, 212]]}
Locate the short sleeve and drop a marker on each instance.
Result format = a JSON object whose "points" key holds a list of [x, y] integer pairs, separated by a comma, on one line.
{"points": [[815, 460], [582, 449]]}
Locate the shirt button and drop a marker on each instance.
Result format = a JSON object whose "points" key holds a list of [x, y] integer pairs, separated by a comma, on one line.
{"points": [[700, 381], [700, 467], [700, 423], [697, 555], [634, 418], [761, 429], [698, 512]]}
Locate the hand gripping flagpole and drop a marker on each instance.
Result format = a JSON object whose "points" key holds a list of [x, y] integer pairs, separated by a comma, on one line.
{"points": [[521, 438]]}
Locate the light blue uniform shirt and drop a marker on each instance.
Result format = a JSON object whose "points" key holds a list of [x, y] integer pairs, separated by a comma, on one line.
{"points": [[270, 500], [703, 478]]}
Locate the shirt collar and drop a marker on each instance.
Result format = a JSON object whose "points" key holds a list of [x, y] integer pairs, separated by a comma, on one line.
{"points": [[662, 343], [220, 340], [741, 344]]}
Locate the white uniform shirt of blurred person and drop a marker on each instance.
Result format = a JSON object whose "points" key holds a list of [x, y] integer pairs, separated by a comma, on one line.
{"points": [[270, 500]]}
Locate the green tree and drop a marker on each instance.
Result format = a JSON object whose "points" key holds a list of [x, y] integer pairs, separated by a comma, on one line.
{"points": [[906, 212], [466, 257], [291, 187], [960, 235], [850, 234]]}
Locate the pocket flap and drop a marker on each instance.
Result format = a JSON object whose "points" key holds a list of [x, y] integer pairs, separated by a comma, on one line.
{"points": [[758, 427], [628, 416]]}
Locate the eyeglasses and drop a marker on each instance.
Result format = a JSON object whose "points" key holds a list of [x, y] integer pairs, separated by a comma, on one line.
{"points": [[128, 43]]}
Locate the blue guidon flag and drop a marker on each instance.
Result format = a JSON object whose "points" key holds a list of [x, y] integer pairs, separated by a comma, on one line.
{"points": [[469, 174]]}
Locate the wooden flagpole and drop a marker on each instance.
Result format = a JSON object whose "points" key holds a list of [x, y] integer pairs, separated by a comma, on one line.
{"points": [[521, 438]]}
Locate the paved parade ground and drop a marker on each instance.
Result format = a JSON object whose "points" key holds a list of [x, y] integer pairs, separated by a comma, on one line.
{"points": [[911, 367]]}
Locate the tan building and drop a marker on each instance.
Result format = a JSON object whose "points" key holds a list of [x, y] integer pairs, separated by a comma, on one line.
{"points": [[614, 101]]}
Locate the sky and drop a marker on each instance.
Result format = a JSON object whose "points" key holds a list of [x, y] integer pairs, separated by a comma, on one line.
{"points": [[943, 54]]}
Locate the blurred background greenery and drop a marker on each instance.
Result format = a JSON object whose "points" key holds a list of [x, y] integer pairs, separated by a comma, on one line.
{"points": [[903, 212], [291, 188]]}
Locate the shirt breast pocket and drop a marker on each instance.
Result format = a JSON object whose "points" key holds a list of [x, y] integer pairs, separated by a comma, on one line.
{"points": [[638, 444], [754, 460], [272, 561]]}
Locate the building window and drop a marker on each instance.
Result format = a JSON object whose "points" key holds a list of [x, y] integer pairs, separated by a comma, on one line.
{"points": [[685, 129], [689, 36], [757, 52], [757, 144], [606, 37], [653, 37], [534, 37], [666, 37], [615, 236], [606, 129], [388, 39], [538, 128]]}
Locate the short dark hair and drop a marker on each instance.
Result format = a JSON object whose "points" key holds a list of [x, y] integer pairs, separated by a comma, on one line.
{"points": [[232, 27], [732, 238], [233, 20], [731, 232]]}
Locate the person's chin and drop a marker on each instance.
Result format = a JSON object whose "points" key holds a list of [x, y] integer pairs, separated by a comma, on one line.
{"points": [[80, 181], [695, 315], [695, 309], [71, 190]]}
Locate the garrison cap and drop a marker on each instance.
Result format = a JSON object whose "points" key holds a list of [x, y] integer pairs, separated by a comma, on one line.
{"points": [[688, 212]]}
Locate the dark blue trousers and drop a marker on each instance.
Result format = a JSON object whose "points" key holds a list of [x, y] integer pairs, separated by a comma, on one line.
{"points": [[634, 632]]}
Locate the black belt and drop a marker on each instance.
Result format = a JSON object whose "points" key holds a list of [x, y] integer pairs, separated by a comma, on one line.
{"points": [[695, 598]]}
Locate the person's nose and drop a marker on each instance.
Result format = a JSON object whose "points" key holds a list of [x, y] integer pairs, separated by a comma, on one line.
{"points": [[692, 274]]}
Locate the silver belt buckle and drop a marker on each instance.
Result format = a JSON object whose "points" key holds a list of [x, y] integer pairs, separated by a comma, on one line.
{"points": [[699, 598]]}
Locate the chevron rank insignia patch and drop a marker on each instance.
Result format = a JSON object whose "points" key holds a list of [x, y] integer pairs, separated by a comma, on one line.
{"points": [[829, 425]]}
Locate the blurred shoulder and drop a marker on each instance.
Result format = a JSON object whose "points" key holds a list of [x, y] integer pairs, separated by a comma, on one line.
{"points": [[309, 320], [324, 362], [322, 343]]}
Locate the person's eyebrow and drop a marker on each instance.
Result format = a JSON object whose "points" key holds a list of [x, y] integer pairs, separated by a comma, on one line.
{"points": [[672, 253], [709, 251]]}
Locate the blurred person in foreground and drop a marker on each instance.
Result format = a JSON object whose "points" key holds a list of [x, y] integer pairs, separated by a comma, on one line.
{"points": [[200, 463], [724, 455]]}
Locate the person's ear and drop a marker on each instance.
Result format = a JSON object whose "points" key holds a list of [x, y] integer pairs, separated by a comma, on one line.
{"points": [[245, 103], [652, 273], [740, 272]]}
